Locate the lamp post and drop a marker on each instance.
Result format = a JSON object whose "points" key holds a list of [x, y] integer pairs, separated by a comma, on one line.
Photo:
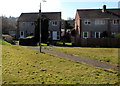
{"points": [[40, 13]]}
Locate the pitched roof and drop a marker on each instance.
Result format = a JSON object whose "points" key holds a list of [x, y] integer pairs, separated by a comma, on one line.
{"points": [[52, 15], [31, 17], [28, 17], [97, 13]]}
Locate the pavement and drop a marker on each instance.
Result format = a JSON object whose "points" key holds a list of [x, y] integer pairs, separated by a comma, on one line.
{"points": [[96, 63]]}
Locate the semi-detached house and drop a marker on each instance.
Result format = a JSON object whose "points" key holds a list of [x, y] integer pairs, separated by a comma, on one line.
{"points": [[26, 24], [97, 23]]}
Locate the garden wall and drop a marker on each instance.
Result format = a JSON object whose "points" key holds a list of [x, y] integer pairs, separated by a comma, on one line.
{"points": [[99, 42]]}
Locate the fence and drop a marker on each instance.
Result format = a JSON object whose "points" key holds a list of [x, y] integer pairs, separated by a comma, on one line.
{"points": [[101, 42]]}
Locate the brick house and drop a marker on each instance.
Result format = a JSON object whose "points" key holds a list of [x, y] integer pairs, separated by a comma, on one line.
{"points": [[97, 23], [26, 24]]}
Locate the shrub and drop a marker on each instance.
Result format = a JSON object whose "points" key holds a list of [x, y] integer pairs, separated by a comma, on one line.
{"points": [[117, 36], [28, 42], [2, 42], [8, 38]]}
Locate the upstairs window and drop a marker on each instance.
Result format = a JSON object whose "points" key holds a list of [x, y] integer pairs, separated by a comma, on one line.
{"points": [[116, 22], [54, 23], [23, 23], [87, 22], [99, 22]]}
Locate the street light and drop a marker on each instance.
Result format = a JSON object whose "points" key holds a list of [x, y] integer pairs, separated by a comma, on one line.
{"points": [[40, 13]]}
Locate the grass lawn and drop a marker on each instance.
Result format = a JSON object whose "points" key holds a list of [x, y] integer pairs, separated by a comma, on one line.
{"points": [[102, 54], [24, 66]]}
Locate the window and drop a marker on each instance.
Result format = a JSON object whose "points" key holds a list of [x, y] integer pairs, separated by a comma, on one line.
{"points": [[21, 34], [85, 34], [92, 34], [23, 23], [54, 23], [49, 34], [99, 22], [58, 35], [32, 23], [97, 34], [116, 22], [113, 33], [87, 22]]}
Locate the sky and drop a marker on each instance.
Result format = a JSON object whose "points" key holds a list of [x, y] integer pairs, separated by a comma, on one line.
{"points": [[67, 7]]}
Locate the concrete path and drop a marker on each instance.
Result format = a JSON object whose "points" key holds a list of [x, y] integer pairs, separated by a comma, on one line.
{"points": [[80, 59]]}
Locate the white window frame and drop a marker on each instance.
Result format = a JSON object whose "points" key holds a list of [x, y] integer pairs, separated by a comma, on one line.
{"points": [[87, 21], [54, 23], [23, 23], [98, 34], [99, 22], [84, 35], [116, 22], [113, 33]]}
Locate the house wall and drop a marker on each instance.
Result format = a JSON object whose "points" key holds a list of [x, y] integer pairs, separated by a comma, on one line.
{"points": [[54, 30], [92, 27], [54, 27], [77, 25], [27, 28]]}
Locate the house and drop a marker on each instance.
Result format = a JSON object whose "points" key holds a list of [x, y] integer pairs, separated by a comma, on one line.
{"points": [[66, 26], [96, 23], [27, 23]]}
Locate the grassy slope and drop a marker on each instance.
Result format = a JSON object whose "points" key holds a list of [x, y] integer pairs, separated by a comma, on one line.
{"points": [[24, 66], [4, 42], [103, 54]]}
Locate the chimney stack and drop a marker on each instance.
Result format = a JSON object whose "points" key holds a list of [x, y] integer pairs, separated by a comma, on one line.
{"points": [[104, 8]]}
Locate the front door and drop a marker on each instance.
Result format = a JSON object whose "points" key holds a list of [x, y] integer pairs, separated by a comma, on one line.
{"points": [[22, 35]]}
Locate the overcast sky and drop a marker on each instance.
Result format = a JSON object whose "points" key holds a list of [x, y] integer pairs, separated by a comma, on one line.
{"points": [[67, 7]]}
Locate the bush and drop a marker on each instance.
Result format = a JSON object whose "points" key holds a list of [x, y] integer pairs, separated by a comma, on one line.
{"points": [[117, 36], [8, 38], [28, 42]]}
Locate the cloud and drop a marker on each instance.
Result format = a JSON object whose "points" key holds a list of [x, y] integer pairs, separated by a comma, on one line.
{"points": [[51, 5]]}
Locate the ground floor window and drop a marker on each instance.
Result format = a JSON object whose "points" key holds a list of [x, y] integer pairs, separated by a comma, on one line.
{"points": [[116, 22], [113, 34], [85, 34], [97, 34]]}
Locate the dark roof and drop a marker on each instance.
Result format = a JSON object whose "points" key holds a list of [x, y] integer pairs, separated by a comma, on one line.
{"points": [[31, 17], [28, 17], [52, 15], [97, 13]]}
